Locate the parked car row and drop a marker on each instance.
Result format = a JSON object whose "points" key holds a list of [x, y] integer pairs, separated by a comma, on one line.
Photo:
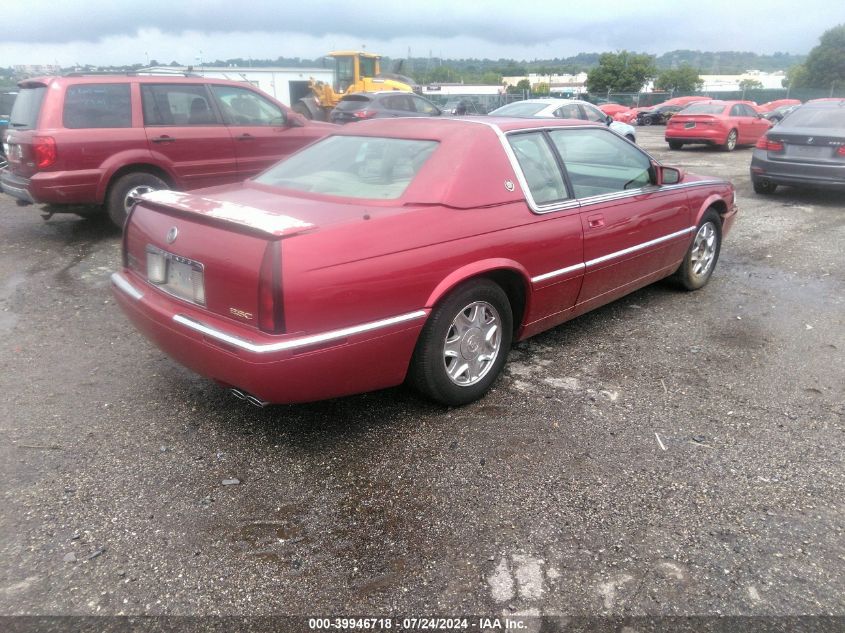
{"points": [[92, 144]]}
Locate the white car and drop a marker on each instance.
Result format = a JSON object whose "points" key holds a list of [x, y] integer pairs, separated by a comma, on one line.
{"points": [[564, 109]]}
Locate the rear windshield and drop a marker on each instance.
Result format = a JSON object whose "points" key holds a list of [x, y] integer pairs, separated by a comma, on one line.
{"points": [[519, 109], [352, 167], [97, 106], [817, 117], [704, 108], [357, 102], [27, 107]]}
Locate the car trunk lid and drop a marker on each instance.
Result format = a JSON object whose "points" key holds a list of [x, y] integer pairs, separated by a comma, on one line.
{"points": [[690, 121], [808, 145], [210, 253]]}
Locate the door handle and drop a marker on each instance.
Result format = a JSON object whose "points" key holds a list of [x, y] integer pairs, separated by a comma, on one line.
{"points": [[246, 137], [595, 221], [164, 139]]}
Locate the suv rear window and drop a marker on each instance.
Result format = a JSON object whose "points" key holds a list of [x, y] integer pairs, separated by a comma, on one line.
{"points": [[353, 102], [352, 167], [97, 106], [27, 107]]}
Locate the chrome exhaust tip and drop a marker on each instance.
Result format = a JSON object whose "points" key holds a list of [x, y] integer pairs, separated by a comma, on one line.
{"points": [[243, 395]]}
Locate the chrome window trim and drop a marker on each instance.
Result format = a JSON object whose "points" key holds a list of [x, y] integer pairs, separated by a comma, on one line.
{"points": [[295, 343], [119, 282]]}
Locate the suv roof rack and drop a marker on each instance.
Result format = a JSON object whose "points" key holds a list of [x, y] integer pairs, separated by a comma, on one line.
{"points": [[131, 73]]}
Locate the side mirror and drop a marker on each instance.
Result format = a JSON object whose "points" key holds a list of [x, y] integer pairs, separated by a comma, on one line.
{"points": [[669, 175], [295, 120], [608, 119]]}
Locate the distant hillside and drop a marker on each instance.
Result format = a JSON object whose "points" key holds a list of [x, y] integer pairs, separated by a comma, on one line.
{"points": [[489, 71], [711, 63]]}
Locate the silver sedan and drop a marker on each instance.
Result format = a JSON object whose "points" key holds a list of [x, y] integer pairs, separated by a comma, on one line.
{"points": [[564, 109]]}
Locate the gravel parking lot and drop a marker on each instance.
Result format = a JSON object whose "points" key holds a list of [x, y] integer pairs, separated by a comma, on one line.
{"points": [[669, 454]]}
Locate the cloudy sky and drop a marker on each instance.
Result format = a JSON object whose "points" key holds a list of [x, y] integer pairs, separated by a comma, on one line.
{"points": [[106, 32]]}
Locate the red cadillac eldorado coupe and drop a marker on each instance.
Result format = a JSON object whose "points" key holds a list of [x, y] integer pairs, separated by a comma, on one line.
{"points": [[410, 249]]}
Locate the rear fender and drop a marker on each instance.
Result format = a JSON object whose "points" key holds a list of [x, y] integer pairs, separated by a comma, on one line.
{"points": [[139, 160], [480, 269]]}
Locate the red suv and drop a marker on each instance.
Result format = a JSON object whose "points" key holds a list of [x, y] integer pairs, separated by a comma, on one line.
{"points": [[80, 143]]}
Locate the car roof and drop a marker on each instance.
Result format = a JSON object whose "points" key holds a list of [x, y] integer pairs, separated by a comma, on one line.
{"points": [[434, 128], [827, 103], [120, 77], [550, 101]]}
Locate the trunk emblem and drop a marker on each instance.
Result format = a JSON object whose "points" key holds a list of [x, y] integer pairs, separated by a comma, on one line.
{"points": [[810, 140], [509, 185], [171, 235]]}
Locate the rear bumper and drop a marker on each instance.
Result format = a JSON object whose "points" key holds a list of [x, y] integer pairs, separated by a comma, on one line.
{"points": [[16, 187], [702, 135], [278, 369], [59, 187], [781, 172]]}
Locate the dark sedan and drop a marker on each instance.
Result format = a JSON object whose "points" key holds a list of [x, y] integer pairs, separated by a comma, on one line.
{"points": [[807, 149], [779, 114], [376, 105], [658, 115]]}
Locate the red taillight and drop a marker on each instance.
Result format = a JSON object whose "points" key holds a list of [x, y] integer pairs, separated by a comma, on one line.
{"points": [[769, 145], [364, 114], [840, 151], [44, 150], [270, 315]]}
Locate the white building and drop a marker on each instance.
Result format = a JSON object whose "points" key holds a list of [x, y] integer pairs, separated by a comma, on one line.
{"points": [[435, 90], [285, 84]]}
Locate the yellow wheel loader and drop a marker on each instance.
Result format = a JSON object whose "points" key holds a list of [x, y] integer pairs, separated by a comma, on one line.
{"points": [[355, 71]]}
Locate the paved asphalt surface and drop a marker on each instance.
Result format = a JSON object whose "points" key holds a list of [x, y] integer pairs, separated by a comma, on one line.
{"points": [[672, 453]]}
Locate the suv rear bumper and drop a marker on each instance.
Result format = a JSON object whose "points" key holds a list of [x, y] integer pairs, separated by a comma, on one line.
{"points": [[16, 187], [53, 187]]}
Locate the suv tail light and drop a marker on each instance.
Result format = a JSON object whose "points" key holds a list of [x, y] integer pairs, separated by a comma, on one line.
{"points": [[364, 114], [769, 145], [840, 151], [44, 150], [271, 318]]}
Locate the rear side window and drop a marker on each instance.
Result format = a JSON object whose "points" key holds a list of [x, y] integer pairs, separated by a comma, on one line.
{"points": [[352, 167], [27, 107], [539, 167], [177, 104], [97, 106]]}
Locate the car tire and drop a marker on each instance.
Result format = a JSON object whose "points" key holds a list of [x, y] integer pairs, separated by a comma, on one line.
{"points": [[675, 145], [647, 121], [764, 187], [475, 320], [703, 253], [730, 141], [125, 189]]}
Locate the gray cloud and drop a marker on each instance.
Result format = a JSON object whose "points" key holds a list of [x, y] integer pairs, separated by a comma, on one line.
{"points": [[495, 28]]}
